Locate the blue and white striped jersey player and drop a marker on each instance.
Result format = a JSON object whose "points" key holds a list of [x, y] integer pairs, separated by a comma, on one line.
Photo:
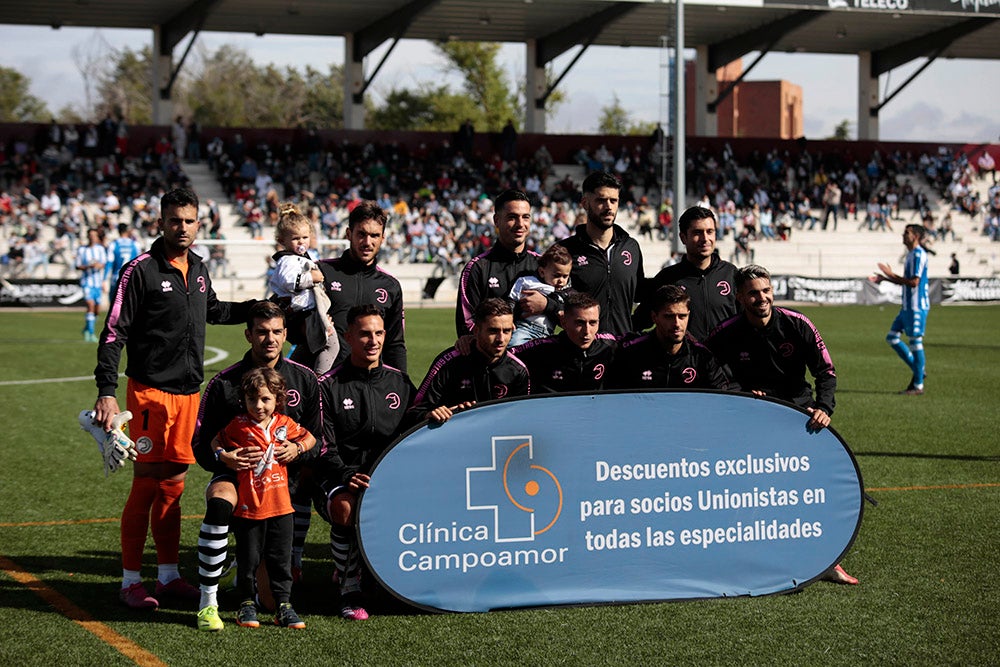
{"points": [[121, 251], [90, 262], [912, 316]]}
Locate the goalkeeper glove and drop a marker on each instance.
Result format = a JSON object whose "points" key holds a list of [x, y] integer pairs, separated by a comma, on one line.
{"points": [[116, 447]]}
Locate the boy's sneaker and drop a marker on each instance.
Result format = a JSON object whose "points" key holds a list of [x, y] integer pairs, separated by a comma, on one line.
{"points": [[287, 618], [208, 619], [351, 609], [247, 615], [913, 390], [137, 597], [178, 589]]}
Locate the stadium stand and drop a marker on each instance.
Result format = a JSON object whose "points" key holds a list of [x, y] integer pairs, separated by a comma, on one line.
{"points": [[769, 196]]}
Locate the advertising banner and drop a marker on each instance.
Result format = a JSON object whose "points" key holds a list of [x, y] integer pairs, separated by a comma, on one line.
{"points": [[819, 290], [971, 289], [613, 497], [864, 292], [21, 292]]}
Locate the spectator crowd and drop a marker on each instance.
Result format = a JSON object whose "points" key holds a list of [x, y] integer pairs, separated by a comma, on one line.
{"points": [[438, 197]]}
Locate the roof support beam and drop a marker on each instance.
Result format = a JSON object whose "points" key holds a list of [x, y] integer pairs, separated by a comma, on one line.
{"points": [[543, 98], [728, 90], [391, 26], [762, 38], [878, 107], [359, 96], [190, 18], [370, 37], [584, 31], [166, 90], [930, 44]]}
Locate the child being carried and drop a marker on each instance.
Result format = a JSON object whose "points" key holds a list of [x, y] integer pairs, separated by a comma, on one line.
{"points": [[552, 277], [297, 285]]}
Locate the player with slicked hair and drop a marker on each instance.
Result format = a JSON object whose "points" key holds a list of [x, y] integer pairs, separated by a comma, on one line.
{"points": [[667, 358], [355, 278], [489, 371], [493, 273], [768, 350]]}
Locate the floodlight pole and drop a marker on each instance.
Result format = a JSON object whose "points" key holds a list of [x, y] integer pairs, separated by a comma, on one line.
{"points": [[678, 129]]}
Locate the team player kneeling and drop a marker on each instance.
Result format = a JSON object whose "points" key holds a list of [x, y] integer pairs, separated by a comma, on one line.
{"points": [[259, 455]]}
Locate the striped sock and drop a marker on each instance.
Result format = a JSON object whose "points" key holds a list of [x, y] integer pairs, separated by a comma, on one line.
{"points": [[213, 542]]}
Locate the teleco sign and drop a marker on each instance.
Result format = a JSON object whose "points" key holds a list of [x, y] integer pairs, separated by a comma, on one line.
{"points": [[931, 6], [618, 497]]}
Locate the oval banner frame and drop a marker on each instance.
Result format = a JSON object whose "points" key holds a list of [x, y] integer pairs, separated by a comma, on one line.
{"points": [[611, 497]]}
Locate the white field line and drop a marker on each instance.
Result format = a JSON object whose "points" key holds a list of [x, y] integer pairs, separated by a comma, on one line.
{"points": [[218, 355]]}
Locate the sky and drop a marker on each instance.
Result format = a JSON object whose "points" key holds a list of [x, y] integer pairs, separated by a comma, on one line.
{"points": [[953, 100]]}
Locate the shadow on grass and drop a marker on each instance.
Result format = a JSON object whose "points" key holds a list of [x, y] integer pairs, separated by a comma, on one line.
{"points": [[916, 455], [89, 580]]}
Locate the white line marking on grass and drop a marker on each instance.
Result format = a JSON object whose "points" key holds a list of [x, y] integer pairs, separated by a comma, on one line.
{"points": [[218, 354]]}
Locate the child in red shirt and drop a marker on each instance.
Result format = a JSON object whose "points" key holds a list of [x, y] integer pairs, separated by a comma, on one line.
{"points": [[263, 513]]}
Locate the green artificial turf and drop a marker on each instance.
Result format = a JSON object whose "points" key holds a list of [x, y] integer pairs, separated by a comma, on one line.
{"points": [[926, 556]]}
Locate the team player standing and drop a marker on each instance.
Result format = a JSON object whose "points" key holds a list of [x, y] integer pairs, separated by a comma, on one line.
{"points": [[162, 303]]}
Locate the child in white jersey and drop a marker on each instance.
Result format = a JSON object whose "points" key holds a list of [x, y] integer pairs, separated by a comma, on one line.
{"points": [[297, 284], [552, 277]]}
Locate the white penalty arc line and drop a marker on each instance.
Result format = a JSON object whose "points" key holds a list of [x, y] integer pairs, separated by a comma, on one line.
{"points": [[218, 354]]}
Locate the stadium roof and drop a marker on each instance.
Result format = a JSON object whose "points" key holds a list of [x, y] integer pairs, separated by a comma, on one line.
{"points": [[898, 29]]}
